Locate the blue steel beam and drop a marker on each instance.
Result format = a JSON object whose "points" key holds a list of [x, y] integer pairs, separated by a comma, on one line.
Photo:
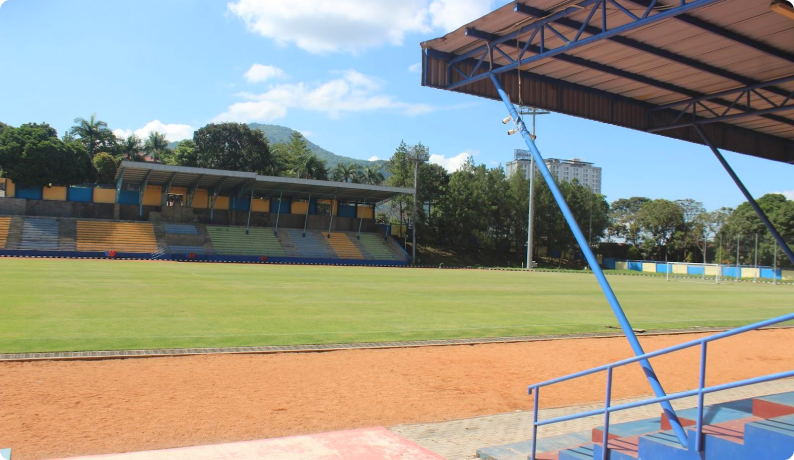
{"points": [[750, 199], [671, 12], [695, 95], [591, 260], [724, 118], [646, 48], [725, 33]]}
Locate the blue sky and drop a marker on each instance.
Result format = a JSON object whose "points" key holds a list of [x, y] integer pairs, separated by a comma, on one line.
{"points": [[343, 72]]}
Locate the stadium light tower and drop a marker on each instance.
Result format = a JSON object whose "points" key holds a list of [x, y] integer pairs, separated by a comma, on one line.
{"points": [[418, 154], [531, 176]]}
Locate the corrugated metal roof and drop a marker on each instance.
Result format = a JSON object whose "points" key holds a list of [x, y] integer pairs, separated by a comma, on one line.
{"points": [[577, 83], [235, 181]]}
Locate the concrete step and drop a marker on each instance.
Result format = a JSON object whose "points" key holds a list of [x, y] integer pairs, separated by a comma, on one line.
{"points": [[774, 405], [773, 437]]}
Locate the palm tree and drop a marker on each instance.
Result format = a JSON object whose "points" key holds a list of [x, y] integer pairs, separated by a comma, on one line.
{"points": [[91, 132], [344, 173], [310, 167], [372, 176], [156, 145], [131, 148]]}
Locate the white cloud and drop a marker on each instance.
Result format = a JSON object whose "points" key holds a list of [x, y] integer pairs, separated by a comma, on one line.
{"points": [[351, 92], [373, 158], [788, 194], [173, 132], [259, 73], [452, 164], [323, 26], [307, 133], [448, 15], [1, 2], [415, 68]]}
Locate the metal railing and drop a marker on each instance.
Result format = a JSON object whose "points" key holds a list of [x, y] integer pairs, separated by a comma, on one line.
{"points": [[699, 392]]}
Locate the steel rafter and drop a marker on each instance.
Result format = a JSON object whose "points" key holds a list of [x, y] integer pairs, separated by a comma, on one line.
{"points": [[537, 30], [725, 33], [649, 49], [527, 47], [692, 106]]}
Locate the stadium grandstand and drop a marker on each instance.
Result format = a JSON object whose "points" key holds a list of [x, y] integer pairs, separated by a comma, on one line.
{"points": [[157, 211], [718, 73]]}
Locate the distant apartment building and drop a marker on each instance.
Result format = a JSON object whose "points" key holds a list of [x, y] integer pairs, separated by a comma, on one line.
{"points": [[564, 170]]}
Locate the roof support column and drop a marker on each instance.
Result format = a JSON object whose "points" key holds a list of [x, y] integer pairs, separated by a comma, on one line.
{"points": [[192, 191], [361, 220], [142, 192], [166, 190], [214, 197], [761, 214], [306, 222], [331, 224], [584, 245], [118, 184], [250, 206], [278, 213]]}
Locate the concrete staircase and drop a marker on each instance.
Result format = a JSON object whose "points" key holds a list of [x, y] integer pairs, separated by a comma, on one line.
{"points": [[755, 429]]}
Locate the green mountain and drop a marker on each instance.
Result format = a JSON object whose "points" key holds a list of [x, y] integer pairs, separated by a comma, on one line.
{"points": [[281, 135], [277, 134]]}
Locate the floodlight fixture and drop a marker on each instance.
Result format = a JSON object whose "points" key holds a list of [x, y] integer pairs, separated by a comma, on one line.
{"points": [[507, 119], [512, 131]]}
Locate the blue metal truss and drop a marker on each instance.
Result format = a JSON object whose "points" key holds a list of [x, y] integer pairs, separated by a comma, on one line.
{"points": [[646, 48], [695, 111], [538, 31]]}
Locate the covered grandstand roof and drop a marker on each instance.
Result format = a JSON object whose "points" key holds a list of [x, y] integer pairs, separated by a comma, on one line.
{"points": [[659, 66], [227, 182]]}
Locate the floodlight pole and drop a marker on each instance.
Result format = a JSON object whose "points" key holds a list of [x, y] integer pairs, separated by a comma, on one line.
{"points": [[417, 158], [593, 262]]}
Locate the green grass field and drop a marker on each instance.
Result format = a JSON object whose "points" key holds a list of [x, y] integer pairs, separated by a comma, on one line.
{"points": [[56, 305]]}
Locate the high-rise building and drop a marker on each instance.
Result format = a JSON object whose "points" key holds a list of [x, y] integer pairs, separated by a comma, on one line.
{"points": [[564, 170]]}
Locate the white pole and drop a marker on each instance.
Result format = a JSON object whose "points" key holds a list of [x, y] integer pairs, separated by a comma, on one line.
{"points": [[755, 272], [774, 269], [531, 177], [738, 269], [668, 271]]}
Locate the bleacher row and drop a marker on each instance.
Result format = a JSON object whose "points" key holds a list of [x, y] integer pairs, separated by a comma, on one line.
{"points": [[50, 234]]}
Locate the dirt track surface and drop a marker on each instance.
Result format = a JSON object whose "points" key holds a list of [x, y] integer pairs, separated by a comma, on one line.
{"points": [[60, 409]]}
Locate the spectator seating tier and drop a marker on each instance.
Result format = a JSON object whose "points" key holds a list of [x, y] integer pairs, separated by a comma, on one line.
{"points": [[5, 222], [40, 234], [234, 241], [180, 229], [115, 236], [310, 245], [343, 246], [376, 246]]}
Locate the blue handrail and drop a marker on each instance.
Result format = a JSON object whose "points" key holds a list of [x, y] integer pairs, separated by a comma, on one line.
{"points": [[699, 392]]}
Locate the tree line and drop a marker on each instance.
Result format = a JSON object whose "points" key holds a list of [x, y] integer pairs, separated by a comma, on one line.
{"points": [[480, 207], [33, 154]]}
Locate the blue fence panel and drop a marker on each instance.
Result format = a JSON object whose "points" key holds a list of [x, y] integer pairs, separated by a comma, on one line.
{"points": [[662, 267], [242, 204], [29, 193], [731, 272], [635, 266], [347, 211], [128, 197], [769, 273], [694, 270], [312, 206], [285, 205], [608, 263], [80, 194]]}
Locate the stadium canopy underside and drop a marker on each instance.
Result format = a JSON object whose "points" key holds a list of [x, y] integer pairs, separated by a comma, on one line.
{"points": [[660, 66], [713, 72], [235, 183]]}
